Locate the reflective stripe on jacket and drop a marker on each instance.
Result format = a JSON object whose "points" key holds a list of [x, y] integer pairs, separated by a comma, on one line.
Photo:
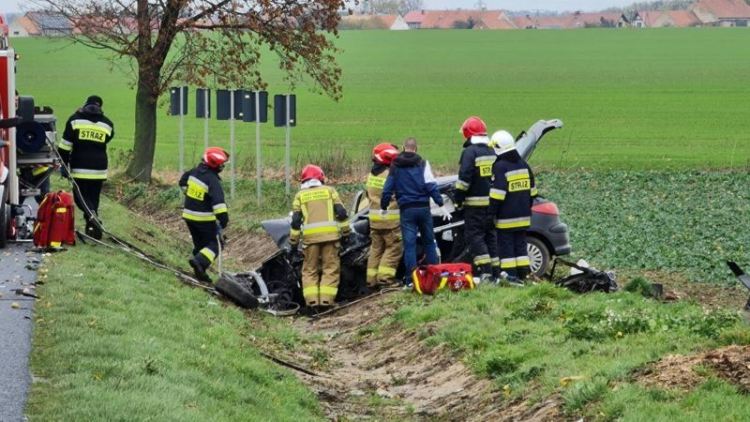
{"points": [[375, 183], [475, 173], [83, 145], [512, 193], [204, 196], [318, 215]]}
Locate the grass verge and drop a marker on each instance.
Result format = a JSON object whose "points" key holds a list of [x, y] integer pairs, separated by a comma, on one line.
{"points": [[118, 340], [544, 340]]}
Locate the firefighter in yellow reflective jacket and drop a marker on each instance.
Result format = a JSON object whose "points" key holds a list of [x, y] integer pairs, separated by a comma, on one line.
{"points": [[205, 211], [512, 194], [385, 228], [319, 218], [83, 148]]}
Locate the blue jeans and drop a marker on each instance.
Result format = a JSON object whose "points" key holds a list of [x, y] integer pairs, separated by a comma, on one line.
{"points": [[415, 220]]}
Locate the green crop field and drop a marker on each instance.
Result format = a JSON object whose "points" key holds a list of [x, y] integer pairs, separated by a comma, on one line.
{"points": [[630, 99], [650, 173]]}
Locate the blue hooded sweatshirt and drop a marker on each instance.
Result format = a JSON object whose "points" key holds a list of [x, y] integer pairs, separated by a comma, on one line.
{"points": [[411, 179]]}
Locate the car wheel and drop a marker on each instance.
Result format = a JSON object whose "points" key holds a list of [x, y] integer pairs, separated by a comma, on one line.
{"points": [[236, 292], [539, 256]]}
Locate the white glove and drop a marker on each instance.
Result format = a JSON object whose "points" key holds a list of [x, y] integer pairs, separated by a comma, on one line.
{"points": [[445, 213]]}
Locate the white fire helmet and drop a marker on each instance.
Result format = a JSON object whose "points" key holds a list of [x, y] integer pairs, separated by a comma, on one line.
{"points": [[502, 141]]}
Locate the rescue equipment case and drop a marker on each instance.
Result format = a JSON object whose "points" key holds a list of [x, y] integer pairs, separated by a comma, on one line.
{"points": [[428, 279], [55, 221]]}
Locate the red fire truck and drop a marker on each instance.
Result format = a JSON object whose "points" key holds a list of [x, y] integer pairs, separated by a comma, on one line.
{"points": [[27, 149]]}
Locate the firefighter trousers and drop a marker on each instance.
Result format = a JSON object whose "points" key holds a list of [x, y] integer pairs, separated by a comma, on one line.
{"points": [[320, 273], [87, 195], [385, 254], [514, 257], [479, 232], [205, 241]]}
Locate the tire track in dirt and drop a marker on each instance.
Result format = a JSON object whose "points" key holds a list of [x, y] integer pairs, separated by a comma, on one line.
{"points": [[382, 372]]}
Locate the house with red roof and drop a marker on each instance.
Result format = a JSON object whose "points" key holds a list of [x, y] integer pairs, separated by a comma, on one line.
{"points": [[666, 18], [45, 24], [458, 19], [524, 22], [495, 20], [414, 19], [722, 12], [597, 19], [390, 22]]}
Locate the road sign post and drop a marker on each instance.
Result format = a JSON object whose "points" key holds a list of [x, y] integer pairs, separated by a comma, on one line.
{"points": [[178, 106], [254, 109], [231, 143], [287, 176], [203, 110], [258, 161], [229, 107], [285, 114]]}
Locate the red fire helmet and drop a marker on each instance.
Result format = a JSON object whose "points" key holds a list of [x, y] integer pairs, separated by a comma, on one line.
{"points": [[215, 157], [311, 171], [384, 153], [473, 126]]}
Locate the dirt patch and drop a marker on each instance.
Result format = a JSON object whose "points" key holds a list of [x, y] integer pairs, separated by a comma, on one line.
{"points": [[731, 364], [709, 295], [379, 371], [248, 250], [546, 410]]}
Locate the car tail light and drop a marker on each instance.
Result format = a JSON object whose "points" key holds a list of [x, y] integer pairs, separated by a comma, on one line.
{"points": [[549, 208]]}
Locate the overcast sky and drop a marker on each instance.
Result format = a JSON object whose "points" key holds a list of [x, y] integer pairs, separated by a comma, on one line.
{"points": [[14, 5]]}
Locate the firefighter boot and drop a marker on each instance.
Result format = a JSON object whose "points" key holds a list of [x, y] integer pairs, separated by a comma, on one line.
{"points": [[93, 228], [199, 270]]}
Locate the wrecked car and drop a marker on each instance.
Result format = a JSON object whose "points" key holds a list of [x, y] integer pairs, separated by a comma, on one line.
{"points": [[280, 273]]}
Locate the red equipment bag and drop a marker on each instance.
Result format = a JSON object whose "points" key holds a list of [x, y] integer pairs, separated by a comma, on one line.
{"points": [[431, 278], [55, 221]]}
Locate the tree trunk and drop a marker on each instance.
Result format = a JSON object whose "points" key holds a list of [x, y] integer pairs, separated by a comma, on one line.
{"points": [[144, 142]]}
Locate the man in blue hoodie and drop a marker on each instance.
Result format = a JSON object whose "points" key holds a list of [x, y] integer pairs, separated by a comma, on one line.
{"points": [[411, 179]]}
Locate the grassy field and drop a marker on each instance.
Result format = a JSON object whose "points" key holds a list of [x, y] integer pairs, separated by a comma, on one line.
{"points": [[115, 339], [108, 326], [630, 99], [654, 120], [684, 221], [545, 340]]}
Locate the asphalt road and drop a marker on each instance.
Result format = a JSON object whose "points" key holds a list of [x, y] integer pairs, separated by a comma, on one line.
{"points": [[16, 323]]}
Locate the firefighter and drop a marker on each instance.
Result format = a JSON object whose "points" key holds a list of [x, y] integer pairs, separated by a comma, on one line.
{"points": [[320, 220], [385, 231], [83, 149], [511, 197], [205, 211], [473, 195]]}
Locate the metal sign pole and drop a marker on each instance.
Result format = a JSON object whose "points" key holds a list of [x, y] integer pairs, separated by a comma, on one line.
{"points": [[258, 169], [231, 141], [205, 115], [286, 149], [181, 146]]}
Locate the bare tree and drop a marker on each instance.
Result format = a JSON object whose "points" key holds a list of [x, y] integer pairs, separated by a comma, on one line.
{"points": [[205, 43], [390, 7], [406, 6]]}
